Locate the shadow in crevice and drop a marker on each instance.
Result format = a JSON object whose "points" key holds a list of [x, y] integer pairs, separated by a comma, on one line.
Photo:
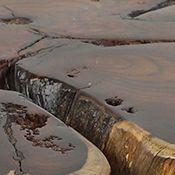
{"points": [[161, 5]]}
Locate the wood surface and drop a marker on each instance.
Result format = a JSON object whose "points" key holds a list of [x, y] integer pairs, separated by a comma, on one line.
{"points": [[35, 142], [104, 67]]}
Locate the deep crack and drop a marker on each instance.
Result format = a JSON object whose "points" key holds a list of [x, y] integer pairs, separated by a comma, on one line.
{"points": [[161, 5], [18, 20], [11, 11], [31, 44]]}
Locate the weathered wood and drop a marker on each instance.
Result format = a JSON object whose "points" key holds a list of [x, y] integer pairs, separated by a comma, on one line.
{"points": [[35, 142], [111, 85], [88, 19], [143, 80], [107, 93]]}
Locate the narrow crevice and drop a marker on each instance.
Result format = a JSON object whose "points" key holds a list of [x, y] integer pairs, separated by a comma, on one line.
{"points": [[31, 44], [102, 42], [161, 5], [120, 42], [18, 20], [18, 155], [4, 66], [114, 101], [11, 11], [6, 77], [37, 52]]}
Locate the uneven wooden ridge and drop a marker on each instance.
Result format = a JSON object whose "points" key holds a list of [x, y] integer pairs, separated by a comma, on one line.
{"points": [[106, 68]]}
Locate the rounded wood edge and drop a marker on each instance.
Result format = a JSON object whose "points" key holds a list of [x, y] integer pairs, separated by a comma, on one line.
{"points": [[132, 150], [96, 163]]}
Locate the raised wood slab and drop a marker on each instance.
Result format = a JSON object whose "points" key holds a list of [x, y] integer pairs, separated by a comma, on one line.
{"points": [[26, 26], [96, 89], [34, 142]]}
